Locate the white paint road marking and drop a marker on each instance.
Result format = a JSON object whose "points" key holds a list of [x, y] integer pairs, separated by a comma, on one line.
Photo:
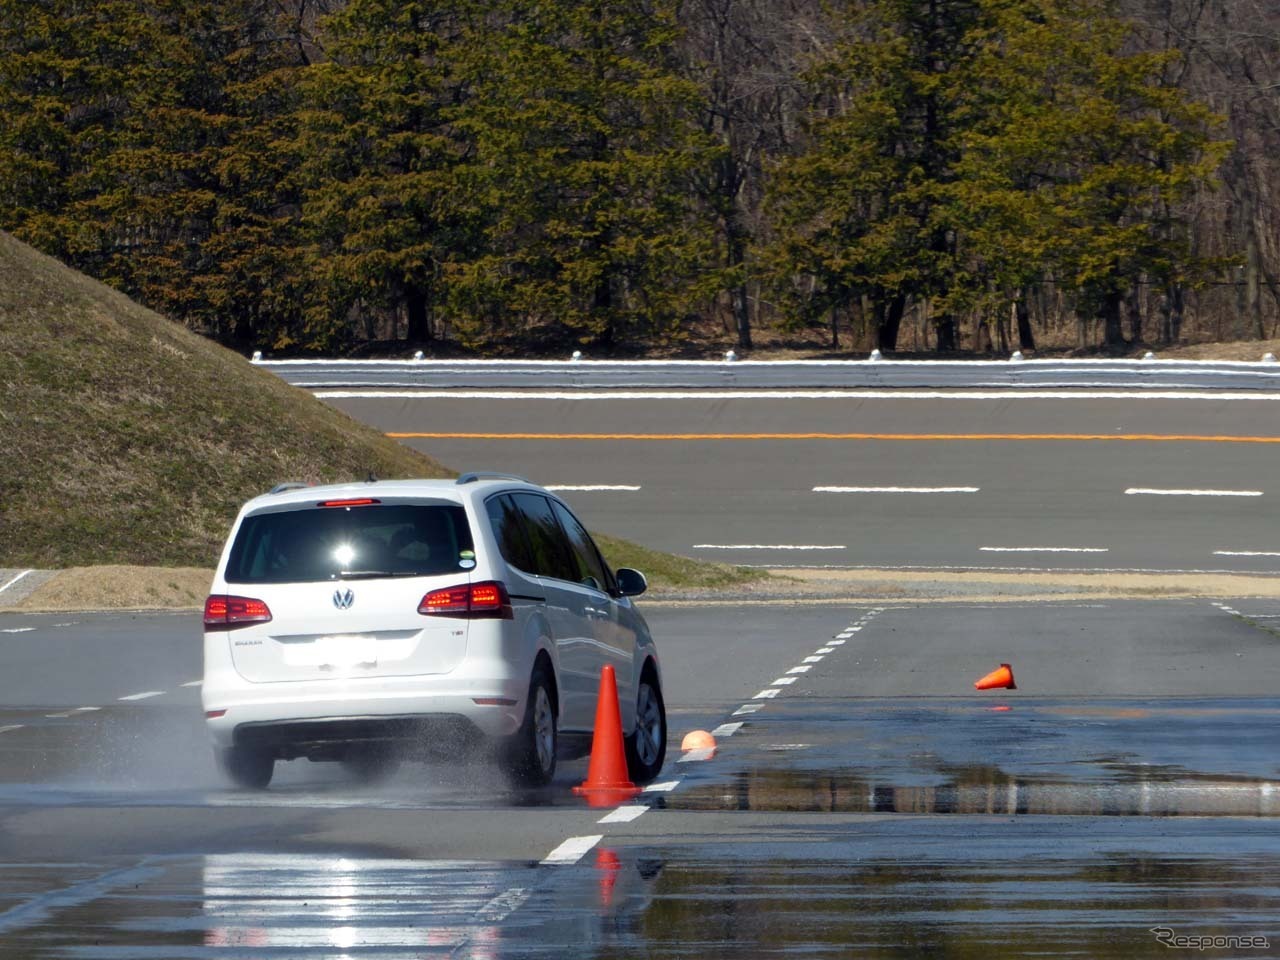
{"points": [[624, 814], [1246, 553], [768, 546], [896, 395], [767, 694], [193, 683], [783, 682], [56, 716], [1045, 549], [502, 906], [825, 650], [143, 696], [592, 488], [18, 630], [895, 489], [24, 573], [86, 709], [803, 669], [727, 729], [11, 726], [839, 641], [814, 659], [665, 787], [747, 709], [1162, 492], [696, 756], [572, 850]]}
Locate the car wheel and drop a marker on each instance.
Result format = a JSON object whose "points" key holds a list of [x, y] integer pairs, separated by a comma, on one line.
{"points": [[246, 767], [647, 745], [371, 766], [530, 759]]}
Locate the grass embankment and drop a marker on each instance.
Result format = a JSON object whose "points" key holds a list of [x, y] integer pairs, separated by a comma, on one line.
{"points": [[125, 439]]}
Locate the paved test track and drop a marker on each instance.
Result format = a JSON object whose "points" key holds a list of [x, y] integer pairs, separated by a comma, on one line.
{"points": [[717, 472], [803, 833]]}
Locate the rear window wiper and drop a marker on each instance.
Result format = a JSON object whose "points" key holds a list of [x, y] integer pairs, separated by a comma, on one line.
{"points": [[375, 574]]}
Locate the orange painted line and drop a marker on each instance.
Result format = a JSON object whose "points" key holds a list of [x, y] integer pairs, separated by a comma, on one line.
{"points": [[1074, 437]]}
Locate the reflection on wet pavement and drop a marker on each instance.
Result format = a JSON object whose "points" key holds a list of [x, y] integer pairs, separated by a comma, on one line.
{"points": [[1106, 758]]}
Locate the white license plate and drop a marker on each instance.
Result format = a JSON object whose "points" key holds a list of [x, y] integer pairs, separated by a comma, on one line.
{"points": [[346, 651]]}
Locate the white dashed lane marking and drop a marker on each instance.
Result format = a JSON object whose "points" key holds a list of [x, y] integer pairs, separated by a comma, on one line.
{"points": [[801, 669], [1163, 492], [783, 682], [1246, 553], [192, 683], [727, 729], [895, 489], [146, 694], [747, 708], [665, 787], [768, 546], [697, 756], [766, 694], [572, 850], [11, 726], [623, 814]]}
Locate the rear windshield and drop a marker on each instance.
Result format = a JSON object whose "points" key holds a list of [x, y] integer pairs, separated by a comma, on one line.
{"points": [[327, 543]]}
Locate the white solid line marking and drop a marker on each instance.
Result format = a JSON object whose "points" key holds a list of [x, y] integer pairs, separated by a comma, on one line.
{"points": [[665, 787], [1245, 553], [592, 487], [1045, 549], [193, 683], [768, 546], [803, 669], [814, 659], [24, 573], [727, 729], [624, 814], [143, 696], [895, 489], [696, 756], [825, 650], [11, 726], [895, 395], [767, 694], [783, 682], [18, 630], [572, 850], [746, 709], [1159, 492]]}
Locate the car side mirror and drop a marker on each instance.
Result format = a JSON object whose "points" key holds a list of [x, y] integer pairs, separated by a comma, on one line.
{"points": [[631, 583]]}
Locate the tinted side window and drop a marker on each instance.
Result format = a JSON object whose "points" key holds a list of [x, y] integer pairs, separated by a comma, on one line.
{"points": [[590, 568], [309, 544], [508, 530], [551, 553]]}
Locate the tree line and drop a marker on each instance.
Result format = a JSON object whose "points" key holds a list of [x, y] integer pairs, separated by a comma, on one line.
{"points": [[299, 175]]}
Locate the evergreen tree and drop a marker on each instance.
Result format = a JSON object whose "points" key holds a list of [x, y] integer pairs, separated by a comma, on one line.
{"points": [[584, 150]]}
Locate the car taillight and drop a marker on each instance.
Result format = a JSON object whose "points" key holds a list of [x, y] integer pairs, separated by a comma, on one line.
{"points": [[222, 612], [487, 600]]}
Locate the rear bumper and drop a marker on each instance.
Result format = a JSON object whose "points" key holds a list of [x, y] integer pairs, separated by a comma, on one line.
{"points": [[330, 738], [425, 711]]}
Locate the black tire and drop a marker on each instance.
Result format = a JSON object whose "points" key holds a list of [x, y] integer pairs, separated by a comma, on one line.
{"points": [[371, 766], [246, 767], [647, 745], [529, 758]]}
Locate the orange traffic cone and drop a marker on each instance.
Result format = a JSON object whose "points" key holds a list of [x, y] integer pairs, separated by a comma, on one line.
{"points": [[1000, 677], [607, 783]]}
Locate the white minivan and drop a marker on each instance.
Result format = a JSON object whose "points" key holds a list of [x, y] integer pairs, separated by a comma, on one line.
{"points": [[371, 622]]}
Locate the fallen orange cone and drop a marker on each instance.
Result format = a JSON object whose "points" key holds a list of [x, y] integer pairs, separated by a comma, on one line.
{"points": [[697, 740], [608, 783], [999, 678]]}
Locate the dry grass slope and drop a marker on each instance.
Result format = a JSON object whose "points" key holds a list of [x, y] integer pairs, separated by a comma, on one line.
{"points": [[127, 439]]}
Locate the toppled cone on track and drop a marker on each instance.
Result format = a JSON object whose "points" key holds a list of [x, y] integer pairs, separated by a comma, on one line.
{"points": [[697, 740], [608, 782], [1001, 678]]}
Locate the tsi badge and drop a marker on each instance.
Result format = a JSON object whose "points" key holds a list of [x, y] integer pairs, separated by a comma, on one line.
{"points": [[342, 599]]}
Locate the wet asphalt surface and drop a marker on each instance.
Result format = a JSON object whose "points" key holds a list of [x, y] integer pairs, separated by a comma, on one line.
{"points": [[875, 805]]}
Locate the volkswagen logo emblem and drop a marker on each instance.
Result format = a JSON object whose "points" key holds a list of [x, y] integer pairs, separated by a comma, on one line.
{"points": [[342, 599]]}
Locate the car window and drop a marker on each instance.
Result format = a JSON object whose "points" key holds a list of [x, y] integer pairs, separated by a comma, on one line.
{"points": [[591, 570], [508, 530], [551, 553], [315, 543]]}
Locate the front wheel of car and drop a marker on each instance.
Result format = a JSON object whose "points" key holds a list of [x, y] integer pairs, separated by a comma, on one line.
{"points": [[530, 756], [647, 745], [246, 767]]}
